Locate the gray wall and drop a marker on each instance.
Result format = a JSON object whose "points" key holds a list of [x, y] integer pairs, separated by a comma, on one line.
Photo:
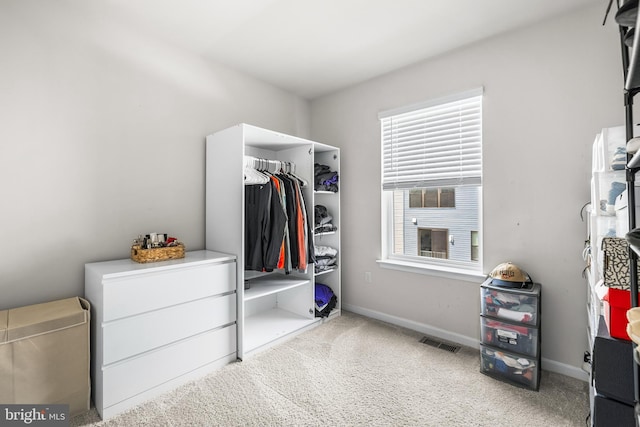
{"points": [[102, 138], [549, 89]]}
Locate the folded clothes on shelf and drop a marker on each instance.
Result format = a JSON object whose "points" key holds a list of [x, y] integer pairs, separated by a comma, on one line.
{"points": [[325, 300], [323, 220], [324, 178], [326, 258]]}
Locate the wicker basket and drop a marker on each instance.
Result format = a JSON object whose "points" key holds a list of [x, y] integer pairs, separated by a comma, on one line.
{"points": [[157, 254]]}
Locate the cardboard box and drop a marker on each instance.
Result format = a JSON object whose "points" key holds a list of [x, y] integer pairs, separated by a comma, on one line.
{"points": [[616, 303], [44, 354]]}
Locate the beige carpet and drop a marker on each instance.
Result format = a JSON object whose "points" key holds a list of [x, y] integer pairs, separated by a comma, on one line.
{"points": [[354, 371]]}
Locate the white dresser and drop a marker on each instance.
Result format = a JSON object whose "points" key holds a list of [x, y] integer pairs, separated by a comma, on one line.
{"points": [[158, 325]]}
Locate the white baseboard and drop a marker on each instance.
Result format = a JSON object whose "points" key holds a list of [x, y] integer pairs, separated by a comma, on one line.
{"points": [[547, 364]]}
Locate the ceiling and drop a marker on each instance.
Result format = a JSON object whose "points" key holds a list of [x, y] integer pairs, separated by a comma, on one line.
{"points": [[314, 47]]}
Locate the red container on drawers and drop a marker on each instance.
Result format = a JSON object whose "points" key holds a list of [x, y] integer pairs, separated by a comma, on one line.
{"points": [[616, 303]]}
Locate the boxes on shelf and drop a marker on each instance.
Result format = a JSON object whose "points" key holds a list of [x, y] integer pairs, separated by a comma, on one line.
{"points": [[615, 304], [511, 304], [44, 354], [509, 336], [510, 367]]}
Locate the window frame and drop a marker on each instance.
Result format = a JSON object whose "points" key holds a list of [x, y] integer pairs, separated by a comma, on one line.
{"points": [[460, 270]]}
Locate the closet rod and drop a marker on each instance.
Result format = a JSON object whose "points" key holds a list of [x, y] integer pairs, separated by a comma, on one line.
{"points": [[269, 165]]}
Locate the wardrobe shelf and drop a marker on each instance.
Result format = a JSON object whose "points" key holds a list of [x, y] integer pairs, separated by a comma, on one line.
{"points": [[263, 287], [328, 233], [267, 326], [325, 272], [324, 192]]}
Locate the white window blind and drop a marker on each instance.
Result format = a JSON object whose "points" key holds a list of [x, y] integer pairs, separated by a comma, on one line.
{"points": [[433, 144]]}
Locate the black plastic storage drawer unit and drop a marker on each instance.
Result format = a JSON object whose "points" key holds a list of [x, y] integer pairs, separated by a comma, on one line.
{"points": [[510, 333]]}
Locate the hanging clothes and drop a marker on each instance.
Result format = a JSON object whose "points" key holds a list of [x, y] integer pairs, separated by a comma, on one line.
{"points": [[265, 220], [278, 234]]}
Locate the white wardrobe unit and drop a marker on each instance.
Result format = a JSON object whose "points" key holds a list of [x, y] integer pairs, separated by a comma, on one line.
{"points": [[271, 306]]}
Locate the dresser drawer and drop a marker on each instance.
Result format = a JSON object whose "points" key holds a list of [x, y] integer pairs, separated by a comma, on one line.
{"points": [[124, 380], [136, 334], [144, 292]]}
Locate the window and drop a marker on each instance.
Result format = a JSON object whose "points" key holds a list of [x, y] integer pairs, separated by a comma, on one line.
{"points": [[433, 243], [432, 183], [475, 246], [432, 198]]}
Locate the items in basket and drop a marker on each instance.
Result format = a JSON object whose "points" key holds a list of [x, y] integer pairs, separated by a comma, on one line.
{"points": [[155, 240], [155, 247]]}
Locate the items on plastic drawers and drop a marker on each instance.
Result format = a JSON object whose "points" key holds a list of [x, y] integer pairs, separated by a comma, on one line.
{"points": [[514, 368], [511, 304], [510, 336], [44, 354], [510, 333]]}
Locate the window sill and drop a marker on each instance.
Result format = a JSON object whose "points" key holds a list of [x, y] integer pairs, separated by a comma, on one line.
{"points": [[430, 270]]}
